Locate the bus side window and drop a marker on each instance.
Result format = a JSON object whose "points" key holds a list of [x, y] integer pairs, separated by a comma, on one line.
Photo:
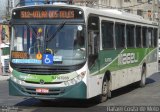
{"points": [[150, 37], [155, 37], [130, 36], [138, 36], [119, 35], [144, 35], [107, 35]]}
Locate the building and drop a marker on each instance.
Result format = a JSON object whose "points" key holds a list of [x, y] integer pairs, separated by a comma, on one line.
{"points": [[6, 6], [3, 10], [145, 8]]}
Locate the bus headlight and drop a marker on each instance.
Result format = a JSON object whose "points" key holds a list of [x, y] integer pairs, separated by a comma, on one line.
{"points": [[16, 80], [82, 74], [75, 80]]}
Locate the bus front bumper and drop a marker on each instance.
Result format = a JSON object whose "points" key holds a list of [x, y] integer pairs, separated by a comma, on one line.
{"points": [[77, 91]]}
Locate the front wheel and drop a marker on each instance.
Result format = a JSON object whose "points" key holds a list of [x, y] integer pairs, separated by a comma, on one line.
{"points": [[105, 91]]}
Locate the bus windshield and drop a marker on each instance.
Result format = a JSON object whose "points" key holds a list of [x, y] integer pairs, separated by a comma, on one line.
{"points": [[65, 42]]}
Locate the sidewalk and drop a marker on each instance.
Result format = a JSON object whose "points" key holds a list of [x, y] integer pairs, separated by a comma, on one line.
{"points": [[4, 77]]}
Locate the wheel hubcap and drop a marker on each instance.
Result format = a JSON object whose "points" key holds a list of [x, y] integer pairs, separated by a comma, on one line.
{"points": [[143, 79], [104, 92]]}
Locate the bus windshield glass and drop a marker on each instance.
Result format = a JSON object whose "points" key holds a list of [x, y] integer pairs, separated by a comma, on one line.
{"points": [[60, 44]]}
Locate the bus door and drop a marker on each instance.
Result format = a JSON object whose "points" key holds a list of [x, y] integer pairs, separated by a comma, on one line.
{"points": [[93, 42]]}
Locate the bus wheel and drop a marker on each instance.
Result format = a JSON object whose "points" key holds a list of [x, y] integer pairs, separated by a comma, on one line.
{"points": [[143, 77], [105, 91]]}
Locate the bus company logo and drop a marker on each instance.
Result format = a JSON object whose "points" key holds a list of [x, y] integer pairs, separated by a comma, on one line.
{"points": [[127, 58], [28, 77], [41, 81]]}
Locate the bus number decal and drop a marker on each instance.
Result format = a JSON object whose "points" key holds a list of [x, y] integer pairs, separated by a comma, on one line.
{"points": [[127, 58], [60, 77], [108, 60]]}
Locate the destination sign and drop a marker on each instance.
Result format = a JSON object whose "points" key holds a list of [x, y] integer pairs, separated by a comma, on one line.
{"points": [[47, 13]]}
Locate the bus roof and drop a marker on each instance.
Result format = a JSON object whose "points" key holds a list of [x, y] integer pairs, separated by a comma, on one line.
{"points": [[111, 13]]}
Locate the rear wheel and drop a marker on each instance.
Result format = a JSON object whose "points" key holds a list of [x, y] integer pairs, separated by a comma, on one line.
{"points": [[143, 77]]}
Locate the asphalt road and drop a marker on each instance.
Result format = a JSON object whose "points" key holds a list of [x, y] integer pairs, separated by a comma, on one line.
{"points": [[131, 95]]}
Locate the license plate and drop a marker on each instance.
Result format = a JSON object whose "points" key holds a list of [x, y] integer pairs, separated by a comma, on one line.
{"points": [[42, 90]]}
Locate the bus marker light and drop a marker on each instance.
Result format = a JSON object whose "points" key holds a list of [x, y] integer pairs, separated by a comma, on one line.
{"points": [[40, 30], [39, 56], [83, 74]]}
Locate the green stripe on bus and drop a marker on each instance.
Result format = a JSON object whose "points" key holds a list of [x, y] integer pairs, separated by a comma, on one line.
{"points": [[114, 60]]}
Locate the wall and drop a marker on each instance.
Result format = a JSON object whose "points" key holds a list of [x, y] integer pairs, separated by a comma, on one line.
{"points": [[3, 10]]}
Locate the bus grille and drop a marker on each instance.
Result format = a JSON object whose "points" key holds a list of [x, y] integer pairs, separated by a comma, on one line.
{"points": [[43, 70], [44, 82]]}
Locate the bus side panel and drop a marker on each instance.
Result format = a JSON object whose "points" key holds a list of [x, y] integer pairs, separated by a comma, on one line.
{"points": [[95, 85], [152, 68], [124, 77], [125, 66], [97, 71], [133, 74], [152, 62]]}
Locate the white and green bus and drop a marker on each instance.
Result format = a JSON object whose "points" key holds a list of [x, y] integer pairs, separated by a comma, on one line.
{"points": [[76, 52]]}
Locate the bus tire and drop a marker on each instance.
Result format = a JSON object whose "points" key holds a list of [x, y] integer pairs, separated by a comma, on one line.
{"points": [[143, 77], [106, 93]]}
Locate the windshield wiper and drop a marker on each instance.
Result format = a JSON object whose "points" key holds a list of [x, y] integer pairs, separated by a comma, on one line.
{"points": [[34, 33], [61, 25]]}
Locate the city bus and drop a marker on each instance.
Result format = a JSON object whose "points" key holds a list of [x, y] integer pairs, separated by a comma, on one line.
{"points": [[75, 52]]}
